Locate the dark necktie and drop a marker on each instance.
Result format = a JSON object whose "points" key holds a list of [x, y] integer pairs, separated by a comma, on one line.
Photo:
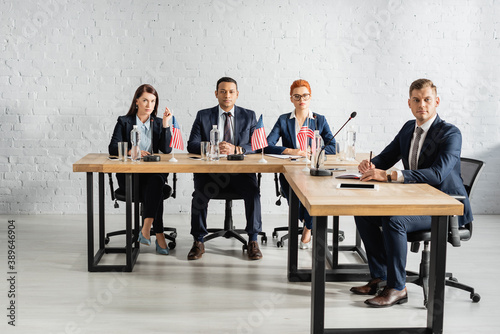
{"points": [[227, 128], [414, 152]]}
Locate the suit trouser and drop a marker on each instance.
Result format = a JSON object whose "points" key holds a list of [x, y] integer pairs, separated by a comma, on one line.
{"points": [[303, 214], [386, 245], [151, 191], [207, 186]]}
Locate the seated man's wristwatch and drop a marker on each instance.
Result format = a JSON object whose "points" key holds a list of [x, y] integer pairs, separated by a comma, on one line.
{"points": [[391, 177]]}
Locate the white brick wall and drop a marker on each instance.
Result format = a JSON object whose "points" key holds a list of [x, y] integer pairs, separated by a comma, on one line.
{"points": [[68, 70]]}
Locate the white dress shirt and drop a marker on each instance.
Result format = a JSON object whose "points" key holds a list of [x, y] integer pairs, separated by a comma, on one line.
{"points": [[145, 133]]}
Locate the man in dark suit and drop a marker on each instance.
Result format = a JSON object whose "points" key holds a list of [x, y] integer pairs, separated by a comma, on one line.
{"points": [[236, 126], [430, 151]]}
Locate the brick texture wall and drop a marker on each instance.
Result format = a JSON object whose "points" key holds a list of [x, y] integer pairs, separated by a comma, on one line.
{"points": [[69, 69]]}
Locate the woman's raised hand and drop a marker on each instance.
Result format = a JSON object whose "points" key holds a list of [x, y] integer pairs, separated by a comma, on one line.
{"points": [[167, 115]]}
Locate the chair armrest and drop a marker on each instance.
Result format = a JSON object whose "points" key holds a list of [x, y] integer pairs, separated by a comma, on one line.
{"points": [[276, 185], [460, 198], [174, 191], [111, 188], [453, 233]]}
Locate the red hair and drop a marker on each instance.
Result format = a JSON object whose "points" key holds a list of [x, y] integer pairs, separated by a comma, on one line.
{"points": [[299, 83]]}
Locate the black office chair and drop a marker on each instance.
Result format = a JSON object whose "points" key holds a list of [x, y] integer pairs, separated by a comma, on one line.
{"points": [[119, 195], [470, 170], [281, 242], [229, 231]]}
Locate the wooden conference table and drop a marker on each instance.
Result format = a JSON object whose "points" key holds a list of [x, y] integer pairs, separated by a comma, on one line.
{"points": [[101, 164], [321, 198]]}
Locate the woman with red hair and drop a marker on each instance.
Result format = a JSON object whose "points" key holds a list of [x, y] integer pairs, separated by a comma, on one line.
{"points": [[287, 127]]}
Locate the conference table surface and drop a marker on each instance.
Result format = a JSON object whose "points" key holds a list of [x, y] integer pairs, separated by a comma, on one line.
{"points": [[190, 163], [391, 199]]}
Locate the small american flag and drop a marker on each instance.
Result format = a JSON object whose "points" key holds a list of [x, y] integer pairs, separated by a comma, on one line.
{"points": [[302, 137], [259, 139], [176, 141]]}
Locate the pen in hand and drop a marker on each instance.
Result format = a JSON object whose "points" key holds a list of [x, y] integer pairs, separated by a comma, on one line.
{"points": [[370, 165]]}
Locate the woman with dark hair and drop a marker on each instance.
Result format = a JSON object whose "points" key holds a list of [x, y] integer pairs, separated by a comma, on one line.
{"points": [[287, 127], [143, 109]]}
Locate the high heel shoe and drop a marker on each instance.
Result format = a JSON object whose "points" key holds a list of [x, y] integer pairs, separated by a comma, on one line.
{"points": [[159, 250], [305, 245], [143, 239]]}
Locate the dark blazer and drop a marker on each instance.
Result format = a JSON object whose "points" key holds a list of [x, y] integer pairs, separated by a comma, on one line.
{"points": [[438, 162], [244, 125], [285, 129], [124, 124]]}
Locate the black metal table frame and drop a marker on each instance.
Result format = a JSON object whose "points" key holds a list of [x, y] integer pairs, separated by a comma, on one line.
{"points": [[131, 249], [319, 274], [338, 272]]}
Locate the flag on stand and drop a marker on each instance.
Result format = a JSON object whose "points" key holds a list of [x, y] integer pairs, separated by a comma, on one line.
{"points": [[176, 141], [259, 139], [302, 137]]}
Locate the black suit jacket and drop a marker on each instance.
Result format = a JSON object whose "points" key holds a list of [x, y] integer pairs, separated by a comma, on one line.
{"points": [[124, 124], [244, 125], [438, 162]]}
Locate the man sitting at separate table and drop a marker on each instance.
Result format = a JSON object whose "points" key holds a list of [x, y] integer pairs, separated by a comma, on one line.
{"points": [[236, 126], [430, 151]]}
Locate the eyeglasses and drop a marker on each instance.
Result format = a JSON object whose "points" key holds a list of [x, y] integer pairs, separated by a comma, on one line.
{"points": [[297, 97]]}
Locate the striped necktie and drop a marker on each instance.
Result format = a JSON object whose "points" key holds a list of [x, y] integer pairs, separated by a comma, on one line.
{"points": [[227, 128], [414, 152]]}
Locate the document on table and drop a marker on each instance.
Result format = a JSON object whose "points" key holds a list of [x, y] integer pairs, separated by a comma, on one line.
{"points": [[285, 156], [349, 176]]}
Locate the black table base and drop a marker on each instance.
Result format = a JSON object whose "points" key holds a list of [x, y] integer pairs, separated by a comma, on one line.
{"points": [[131, 249]]}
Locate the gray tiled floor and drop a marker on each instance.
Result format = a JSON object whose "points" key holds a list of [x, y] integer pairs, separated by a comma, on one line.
{"points": [[221, 293]]}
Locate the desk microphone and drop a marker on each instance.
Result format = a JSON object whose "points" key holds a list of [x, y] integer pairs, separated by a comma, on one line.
{"points": [[323, 172], [151, 157], [234, 156]]}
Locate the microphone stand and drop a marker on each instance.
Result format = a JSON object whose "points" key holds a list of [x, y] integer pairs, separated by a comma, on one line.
{"points": [[324, 172], [151, 157]]}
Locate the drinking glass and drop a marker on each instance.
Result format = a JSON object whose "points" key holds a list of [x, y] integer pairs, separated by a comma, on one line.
{"points": [[205, 150], [122, 151]]}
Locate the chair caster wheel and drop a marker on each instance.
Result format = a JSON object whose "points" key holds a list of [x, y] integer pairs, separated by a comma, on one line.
{"points": [[275, 234], [171, 245], [244, 247], [475, 297], [279, 244], [263, 240], [106, 241], [453, 279]]}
